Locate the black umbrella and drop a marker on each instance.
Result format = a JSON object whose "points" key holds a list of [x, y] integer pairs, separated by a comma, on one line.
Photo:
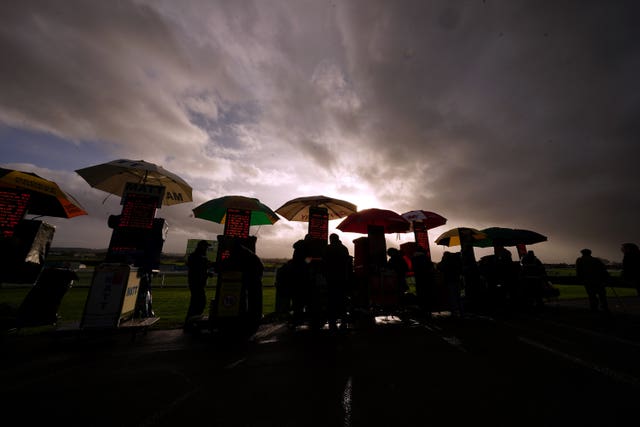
{"points": [[509, 237]]}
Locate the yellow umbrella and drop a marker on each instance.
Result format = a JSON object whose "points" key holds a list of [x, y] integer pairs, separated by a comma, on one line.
{"points": [[455, 236]]}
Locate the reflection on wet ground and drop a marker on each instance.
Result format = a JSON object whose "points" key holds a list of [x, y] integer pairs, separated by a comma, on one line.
{"points": [[393, 369]]}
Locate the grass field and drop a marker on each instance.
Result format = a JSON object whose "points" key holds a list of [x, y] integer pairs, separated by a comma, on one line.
{"points": [[171, 297]]}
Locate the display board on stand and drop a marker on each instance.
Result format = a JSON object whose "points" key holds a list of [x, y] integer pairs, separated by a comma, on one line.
{"points": [[13, 207], [319, 223], [237, 223], [236, 226], [318, 231], [138, 236], [112, 297]]}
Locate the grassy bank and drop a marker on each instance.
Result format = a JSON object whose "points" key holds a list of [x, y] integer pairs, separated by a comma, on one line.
{"points": [[171, 297]]}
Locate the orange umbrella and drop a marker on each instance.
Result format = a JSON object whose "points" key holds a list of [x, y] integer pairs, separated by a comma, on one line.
{"points": [[45, 198]]}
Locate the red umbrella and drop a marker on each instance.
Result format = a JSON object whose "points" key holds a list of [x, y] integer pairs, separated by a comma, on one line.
{"points": [[421, 222], [360, 221]]}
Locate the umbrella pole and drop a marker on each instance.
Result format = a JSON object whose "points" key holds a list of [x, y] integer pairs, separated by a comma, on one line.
{"points": [[618, 298], [105, 199]]}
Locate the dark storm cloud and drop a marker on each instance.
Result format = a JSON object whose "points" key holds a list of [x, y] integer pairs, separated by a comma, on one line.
{"points": [[116, 72], [514, 113], [523, 113], [68, 60]]}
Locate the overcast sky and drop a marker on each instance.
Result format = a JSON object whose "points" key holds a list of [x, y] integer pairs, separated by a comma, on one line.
{"points": [[490, 113]]}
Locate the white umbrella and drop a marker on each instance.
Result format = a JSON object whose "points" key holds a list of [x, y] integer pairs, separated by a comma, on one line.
{"points": [[298, 209], [114, 176]]}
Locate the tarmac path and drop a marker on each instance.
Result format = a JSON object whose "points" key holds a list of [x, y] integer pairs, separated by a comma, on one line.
{"points": [[564, 366]]}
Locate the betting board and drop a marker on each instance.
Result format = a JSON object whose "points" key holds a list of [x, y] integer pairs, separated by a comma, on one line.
{"points": [[13, 207], [138, 211], [318, 223], [237, 223]]}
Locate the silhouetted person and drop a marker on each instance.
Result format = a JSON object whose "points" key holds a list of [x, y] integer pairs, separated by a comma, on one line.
{"points": [[337, 266], [592, 273], [451, 268], [495, 290], [500, 283], [534, 278], [473, 286], [502, 254], [423, 273], [284, 284], [301, 286], [399, 266], [198, 265], [631, 265]]}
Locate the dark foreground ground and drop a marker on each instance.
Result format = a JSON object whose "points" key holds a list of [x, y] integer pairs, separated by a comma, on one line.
{"points": [[564, 366]]}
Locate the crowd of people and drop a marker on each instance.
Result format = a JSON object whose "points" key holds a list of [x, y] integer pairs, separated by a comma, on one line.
{"points": [[457, 283], [321, 284]]}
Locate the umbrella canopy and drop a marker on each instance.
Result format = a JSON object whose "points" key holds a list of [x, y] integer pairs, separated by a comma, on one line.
{"points": [[428, 219], [113, 176], [509, 237], [453, 237], [46, 197], [216, 210], [358, 222], [298, 209]]}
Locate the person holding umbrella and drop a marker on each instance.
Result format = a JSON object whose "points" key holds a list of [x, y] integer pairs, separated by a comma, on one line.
{"points": [[199, 266]]}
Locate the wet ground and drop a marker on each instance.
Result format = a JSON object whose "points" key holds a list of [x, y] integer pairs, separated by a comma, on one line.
{"points": [[563, 366]]}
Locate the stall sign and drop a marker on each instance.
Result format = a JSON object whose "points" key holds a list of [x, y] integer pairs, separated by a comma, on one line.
{"points": [[155, 192], [237, 223], [318, 223], [13, 207], [138, 211]]}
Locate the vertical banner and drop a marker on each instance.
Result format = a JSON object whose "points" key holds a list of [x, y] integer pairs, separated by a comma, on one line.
{"points": [[522, 250], [421, 235], [319, 223], [318, 230]]}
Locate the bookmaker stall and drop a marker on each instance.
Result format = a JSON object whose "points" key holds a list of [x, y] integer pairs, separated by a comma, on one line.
{"points": [[120, 289]]}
